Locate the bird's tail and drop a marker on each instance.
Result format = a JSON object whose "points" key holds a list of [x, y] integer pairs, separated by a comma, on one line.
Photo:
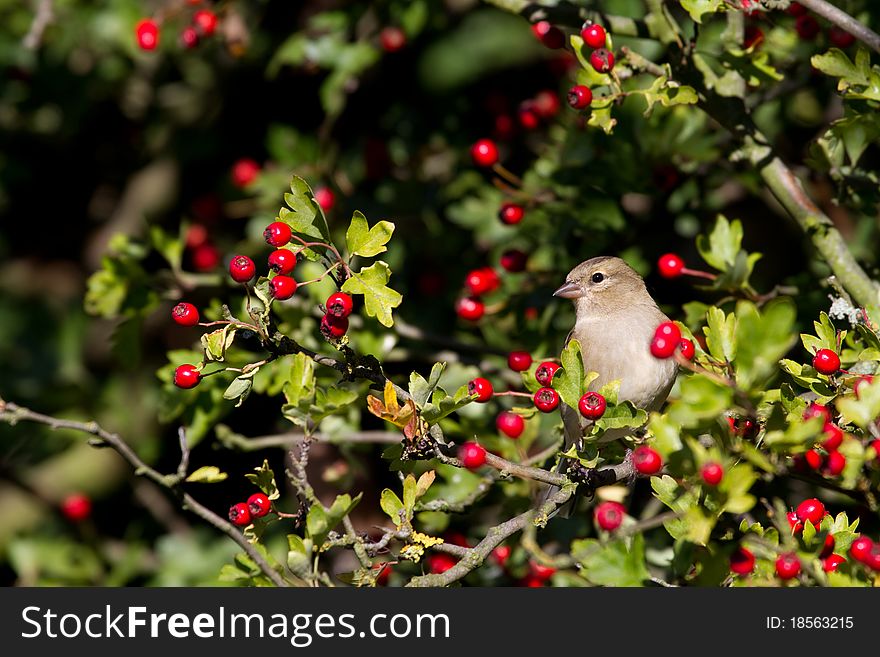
{"points": [[572, 432]]}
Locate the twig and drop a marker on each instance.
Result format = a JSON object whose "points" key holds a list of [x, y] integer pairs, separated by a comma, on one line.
{"points": [[44, 16], [287, 440]]}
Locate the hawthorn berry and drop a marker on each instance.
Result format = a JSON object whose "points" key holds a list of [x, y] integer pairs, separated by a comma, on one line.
{"points": [[592, 405], [244, 172], [277, 234], [796, 9], [686, 348], [807, 27], [76, 507], [861, 548], [187, 376], [832, 562], [472, 455], [504, 126], [541, 571], [440, 563], [532, 582], [240, 514], [796, 525], [646, 460], [283, 287], [666, 339], [670, 265], [546, 400], [548, 34], [482, 388], [185, 314], [339, 304], [712, 474], [484, 153], [812, 510], [147, 33], [333, 328], [384, 575], [840, 38], [817, 410], [205, 257], [602, 60], [510, 424], [788, 566], [189, 37], [482, 281], [519, 361], [669, 330], [511, 213], [501, 554], [742, 561], [528, 116], [833, 437], [325, 197], [593, 35], [580, 97], [242, 269], [826, 362], [753, 37], [513, 260], [546, 371], [546, 104], [743, 426], [835, 463], [470, 309], [259, 505], [282, 261], [827, 546], [813, 459], [876, 445], [609, 515], [205, 21], [392, 38]]}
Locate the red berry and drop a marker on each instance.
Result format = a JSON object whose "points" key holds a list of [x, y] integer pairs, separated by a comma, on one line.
{"points": [[861, 548], [686, 348], [743, 426], [242, 269], [185, 314], [504, 126], [513, 260], [546, 104], [592, 405], [519, 361], [76, 507], [259, 505], [240, 515], [832, 562], [646, 460], [501, 554], [532, 582], [840, 37], [712, 474], [609, 515], [742, 561], [282, 261], [833, 437], [788, 566], [482, 388], [392, 38], [670, 265], [484, 153], [807, 27], [796, 525], [339, 304], [511, 213], [205, 21], [482, 281], [383, 575], [196, 235], [325, 197], [244, 172], [876, 445], [827, 547], [753, 37], [817, 410], [546, 371], [812, 510], [602, 60], [440, 563], [593, 35], [283, 287], [541, 571], [835, 464], [472, 455], [667, 337], [528, 116], [796, 9], [470, 308], [813, 459], [826, 362], [550, 35], [147, 32], [510, 424], [580, 97], [205, 257], [546, 400], [187, 376], [669, 330], [189, 37], [333, 328], [277, 234]]}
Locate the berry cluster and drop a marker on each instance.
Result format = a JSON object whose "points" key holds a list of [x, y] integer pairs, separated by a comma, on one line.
{"points": [[478, 283], [595, 37], [203, 25], [667, 340], [824, 457], [242, 514]]}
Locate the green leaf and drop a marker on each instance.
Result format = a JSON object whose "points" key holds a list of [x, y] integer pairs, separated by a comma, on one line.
{"points": [[622, 415], [364, 241], [667, 93], [217, 342], [571, 381], [207, 474], [865, 409], [721, 247], [420, 389], [701, 398], [857, 79], [409, 494], [392, 506], [762, 338], [239, 389], [379, 299], [264, 479], [171, 247], [301, 383], [720, 334], [696, 8], [304, 215], [442, 404], [299, 555], [618, 563]]}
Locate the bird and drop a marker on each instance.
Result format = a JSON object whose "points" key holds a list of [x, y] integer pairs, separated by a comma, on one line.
{"points": [[615, 320]]}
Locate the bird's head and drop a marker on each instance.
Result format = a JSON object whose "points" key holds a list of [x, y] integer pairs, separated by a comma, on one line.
{"points": [[605, 284]]}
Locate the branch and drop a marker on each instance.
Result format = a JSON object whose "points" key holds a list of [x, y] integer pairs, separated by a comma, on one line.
{"points": [[844, 21], [13, 413], [42, 19], [232, 440]]}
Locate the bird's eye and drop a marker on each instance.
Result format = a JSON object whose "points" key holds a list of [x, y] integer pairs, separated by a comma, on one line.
{"points": [[598, 277]]}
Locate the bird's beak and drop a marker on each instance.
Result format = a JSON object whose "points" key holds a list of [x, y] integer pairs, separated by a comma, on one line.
{"points": [[569, 291]]}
